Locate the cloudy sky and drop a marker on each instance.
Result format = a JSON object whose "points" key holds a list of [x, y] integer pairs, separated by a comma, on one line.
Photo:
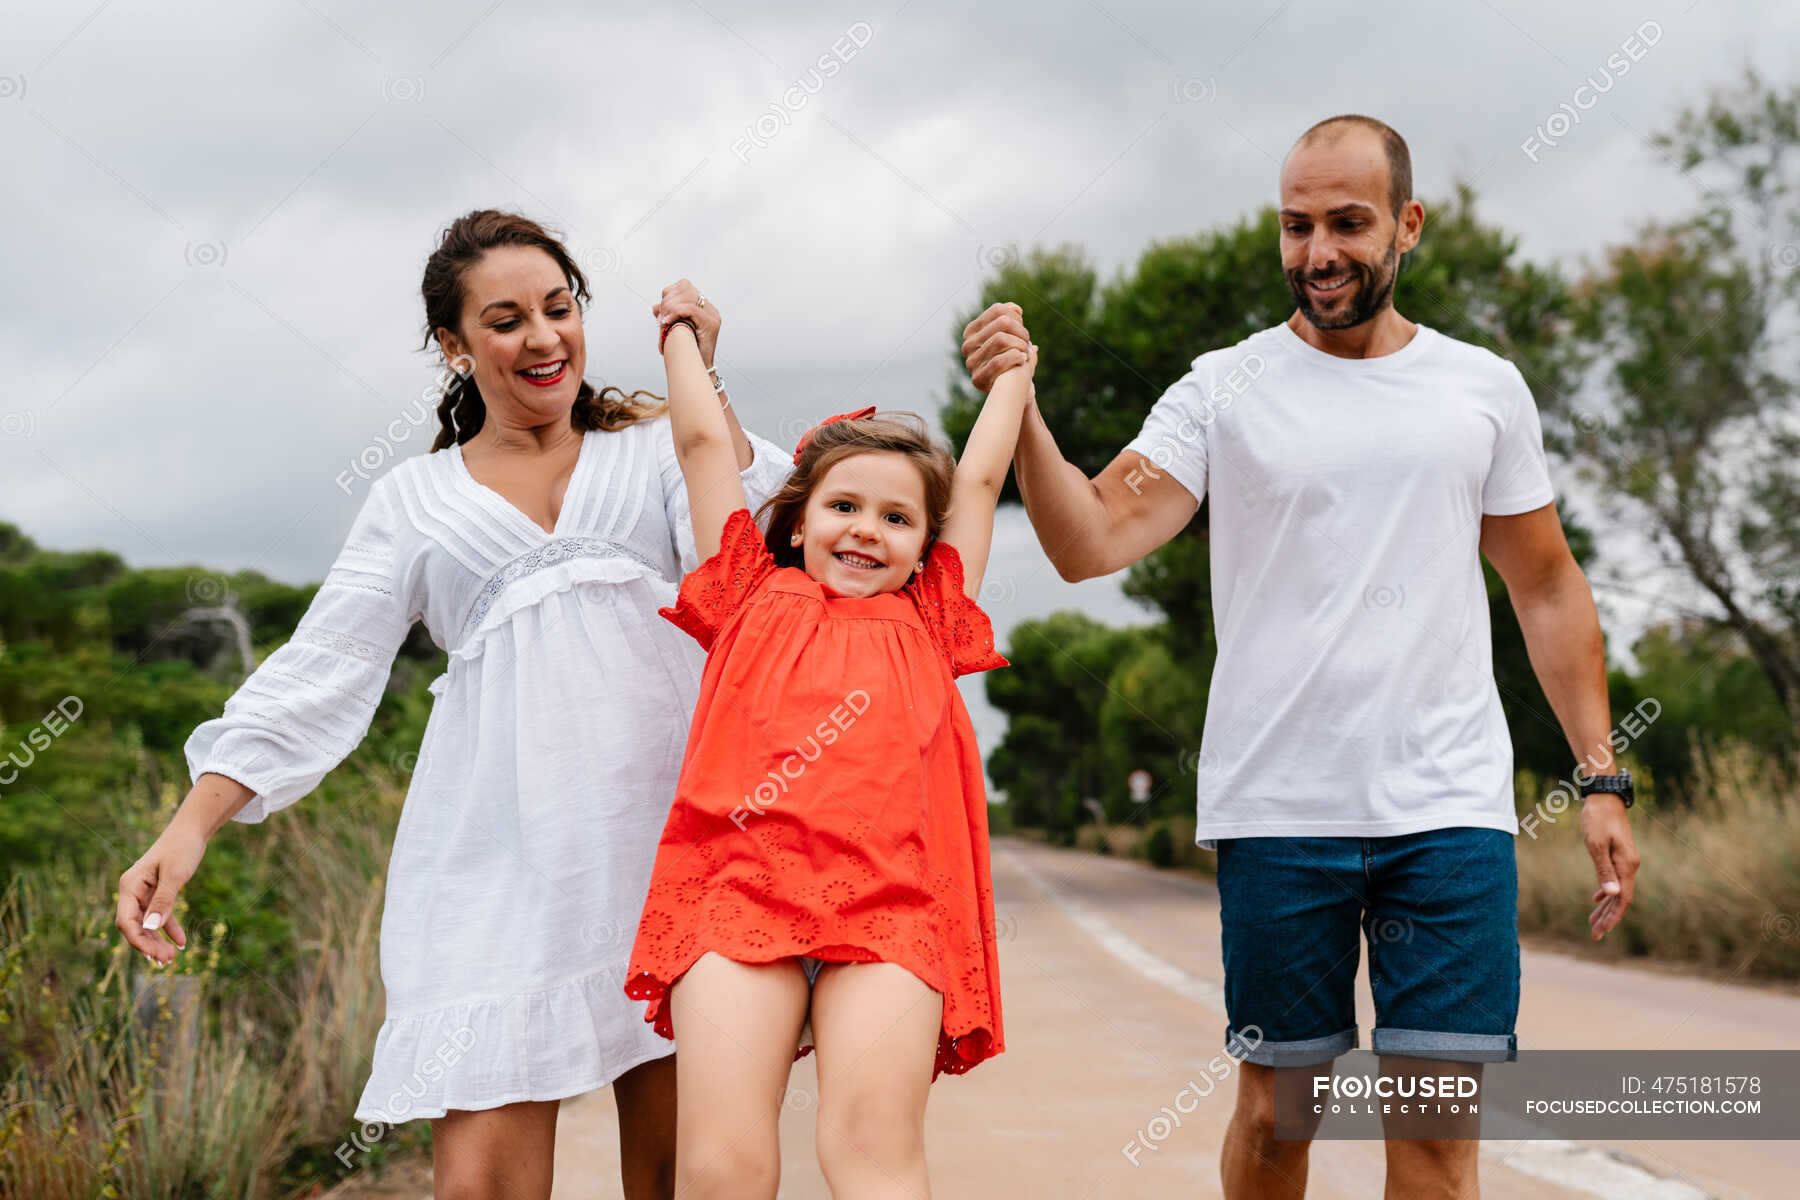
{"points": [[215, 215]]}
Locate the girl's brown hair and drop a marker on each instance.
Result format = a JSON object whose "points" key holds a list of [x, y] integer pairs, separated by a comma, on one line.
{"points": [[828, 445], [462, 412]]}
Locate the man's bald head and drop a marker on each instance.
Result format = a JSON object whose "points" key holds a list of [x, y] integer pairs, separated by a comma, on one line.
{"points": [[1333, 130]]}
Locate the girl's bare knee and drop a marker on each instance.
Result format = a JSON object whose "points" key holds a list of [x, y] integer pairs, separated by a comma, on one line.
{"points": [[873, 1128], [727, 1169]]}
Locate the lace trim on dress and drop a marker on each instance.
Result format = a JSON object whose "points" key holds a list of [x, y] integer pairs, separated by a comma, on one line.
{"points": [[960, 626], [343, 643], [549, 555], [276, 720], [716, 589], [363, 587], [305, 681]]}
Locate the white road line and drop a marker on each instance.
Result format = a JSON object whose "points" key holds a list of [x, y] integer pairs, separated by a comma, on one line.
{"points": [[1587, 1169], [1109, 937]]}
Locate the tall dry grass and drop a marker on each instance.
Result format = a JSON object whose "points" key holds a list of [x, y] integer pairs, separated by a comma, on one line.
{"points": [[125, 1080], [1720, 880]]}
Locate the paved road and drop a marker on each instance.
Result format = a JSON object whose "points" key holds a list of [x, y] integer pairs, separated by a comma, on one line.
{"points": [[1111, 983]]}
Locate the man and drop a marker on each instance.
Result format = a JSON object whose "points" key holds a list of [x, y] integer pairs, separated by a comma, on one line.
{"points": [[1355, 774]]}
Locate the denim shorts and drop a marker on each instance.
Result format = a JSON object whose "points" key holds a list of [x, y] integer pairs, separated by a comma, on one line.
{"points": [[1440, 912]]}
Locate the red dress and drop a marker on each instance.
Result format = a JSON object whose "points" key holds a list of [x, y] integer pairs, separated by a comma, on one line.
{"points": [[831, 800]]}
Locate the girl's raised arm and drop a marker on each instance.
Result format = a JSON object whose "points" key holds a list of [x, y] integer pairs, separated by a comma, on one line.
{"points": [[981, 473], [704, 445]]}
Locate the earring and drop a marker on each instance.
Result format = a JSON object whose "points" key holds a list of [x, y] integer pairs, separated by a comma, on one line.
{"points": [[459, 375], [794, 539], [918, 566]]}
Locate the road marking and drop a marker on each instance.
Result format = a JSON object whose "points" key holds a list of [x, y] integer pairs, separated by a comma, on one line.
{"points": [[1590, 1170], [1110, 938]]}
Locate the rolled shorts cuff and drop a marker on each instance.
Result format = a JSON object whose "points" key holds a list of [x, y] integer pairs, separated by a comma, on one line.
{"points": [[1304, 1053], [1451, 1047]]}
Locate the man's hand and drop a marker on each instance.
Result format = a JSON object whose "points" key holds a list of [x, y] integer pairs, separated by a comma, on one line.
{"points": [[994, 343], [1606, 833]]}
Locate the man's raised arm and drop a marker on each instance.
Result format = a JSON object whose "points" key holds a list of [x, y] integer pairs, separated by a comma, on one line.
{"points": [[1087, 527]]}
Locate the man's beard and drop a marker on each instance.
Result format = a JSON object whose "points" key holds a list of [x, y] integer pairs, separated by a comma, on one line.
{"points": [[1372, 293]]}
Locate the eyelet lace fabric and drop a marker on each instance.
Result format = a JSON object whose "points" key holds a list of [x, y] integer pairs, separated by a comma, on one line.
{"points": [[548, 555], [831, 803], [343, 643], [958, 624], [710, 595]]}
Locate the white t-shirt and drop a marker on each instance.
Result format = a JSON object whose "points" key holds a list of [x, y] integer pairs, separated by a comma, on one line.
{"points": [[1354, 692]]}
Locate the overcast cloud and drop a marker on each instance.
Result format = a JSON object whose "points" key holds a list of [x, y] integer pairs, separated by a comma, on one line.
{"points": [[215, 215]]}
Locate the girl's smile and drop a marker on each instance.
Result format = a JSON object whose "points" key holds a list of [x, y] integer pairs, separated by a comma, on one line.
{"points": [[864, 530]]}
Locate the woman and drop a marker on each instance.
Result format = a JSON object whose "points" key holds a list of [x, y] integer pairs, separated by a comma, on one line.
{"points": [[536, 542]]}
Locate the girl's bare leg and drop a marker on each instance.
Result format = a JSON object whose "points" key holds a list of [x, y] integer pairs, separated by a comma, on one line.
{"points": [[737, 1025], [503, 1153], [646, 1100], [876, 1027]]}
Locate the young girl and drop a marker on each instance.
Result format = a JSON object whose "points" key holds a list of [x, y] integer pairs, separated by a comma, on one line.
{"points": [[827, 851]]}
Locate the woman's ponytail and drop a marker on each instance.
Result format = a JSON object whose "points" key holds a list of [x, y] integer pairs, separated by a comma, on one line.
{"points": [[461, 413]]}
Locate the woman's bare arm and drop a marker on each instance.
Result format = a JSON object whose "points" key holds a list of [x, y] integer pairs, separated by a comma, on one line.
{"points": [[148, 888]]}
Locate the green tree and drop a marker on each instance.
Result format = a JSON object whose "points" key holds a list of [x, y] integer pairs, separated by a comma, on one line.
{"points": [[1706, 687], [1151, 719], [1053, 756], [1692, 429]]}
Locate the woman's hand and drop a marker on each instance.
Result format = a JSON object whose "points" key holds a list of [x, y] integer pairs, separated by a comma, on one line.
{"points": [[683, 299], [148, 888]]}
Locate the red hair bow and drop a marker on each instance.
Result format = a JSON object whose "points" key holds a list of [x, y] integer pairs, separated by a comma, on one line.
{"points": [[849, 416]]}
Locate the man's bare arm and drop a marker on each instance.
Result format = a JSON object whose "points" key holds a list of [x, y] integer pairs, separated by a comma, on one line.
{"points": [[1091, 527], [1568, 654], [1087, 527]]}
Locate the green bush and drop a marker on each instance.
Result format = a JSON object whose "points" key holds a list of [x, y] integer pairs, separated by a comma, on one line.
{"points": [[1159, 845]]}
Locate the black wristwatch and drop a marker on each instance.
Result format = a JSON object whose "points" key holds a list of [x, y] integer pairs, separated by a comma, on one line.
{"points": [[1609, 785]]}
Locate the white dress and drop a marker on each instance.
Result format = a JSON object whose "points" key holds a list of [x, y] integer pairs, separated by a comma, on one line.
{"points": [[548, 765]]}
